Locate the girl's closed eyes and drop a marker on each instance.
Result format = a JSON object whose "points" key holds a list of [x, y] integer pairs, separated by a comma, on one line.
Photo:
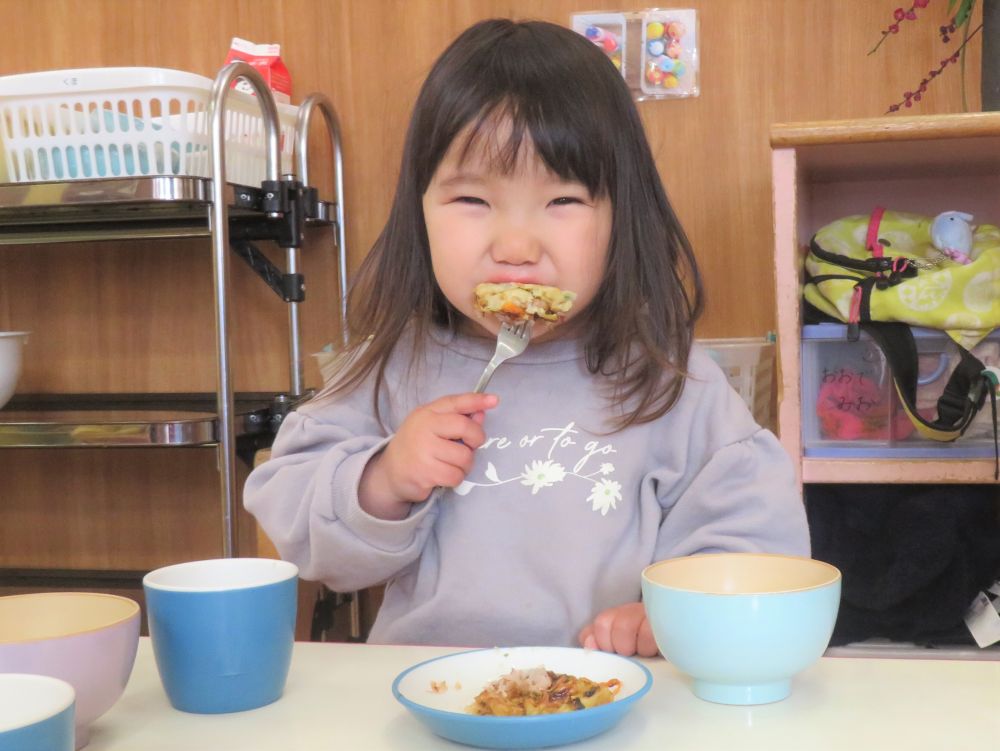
{"points": [[561, 201]]}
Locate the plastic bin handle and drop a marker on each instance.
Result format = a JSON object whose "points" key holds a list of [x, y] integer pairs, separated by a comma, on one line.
{"points": [[940, 370]]}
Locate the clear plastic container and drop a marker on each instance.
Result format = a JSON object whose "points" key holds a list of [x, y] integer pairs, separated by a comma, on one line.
{"points": [[94, 123], [849, 404], [655, 49], [749, 366]]}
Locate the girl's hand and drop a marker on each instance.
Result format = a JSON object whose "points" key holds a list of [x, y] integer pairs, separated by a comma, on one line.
{"points": [[434, 446], [623, 629]]}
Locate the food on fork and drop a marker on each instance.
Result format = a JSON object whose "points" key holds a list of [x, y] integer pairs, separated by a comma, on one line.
{"points": [[513, 302], [539, 691]]}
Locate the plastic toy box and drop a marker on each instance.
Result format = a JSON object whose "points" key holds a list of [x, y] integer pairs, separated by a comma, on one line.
{"points": [[849, 404], [749, 367]]}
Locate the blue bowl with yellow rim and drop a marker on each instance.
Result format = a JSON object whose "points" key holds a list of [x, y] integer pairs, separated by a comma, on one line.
{"points": [[741, 625]]}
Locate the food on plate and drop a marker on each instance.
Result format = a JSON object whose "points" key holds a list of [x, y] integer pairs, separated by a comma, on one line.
{"points": [[513, 302], [539, 691], [439, 687]]}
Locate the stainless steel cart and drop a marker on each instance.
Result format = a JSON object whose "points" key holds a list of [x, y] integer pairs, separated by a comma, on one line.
{"points": [[234, 217]]}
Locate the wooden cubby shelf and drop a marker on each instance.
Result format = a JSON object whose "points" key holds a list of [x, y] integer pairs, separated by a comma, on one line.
{"points": [[823, 171]]}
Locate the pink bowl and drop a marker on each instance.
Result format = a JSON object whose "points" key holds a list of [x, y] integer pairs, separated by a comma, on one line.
{"points": [[87, 639]]}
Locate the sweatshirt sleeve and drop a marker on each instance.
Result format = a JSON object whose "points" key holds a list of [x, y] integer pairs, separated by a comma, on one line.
{"points": [[305, 497], [735, 489]]}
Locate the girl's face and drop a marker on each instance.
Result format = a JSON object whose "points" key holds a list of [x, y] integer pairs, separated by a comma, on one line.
{"points": [[529, 226]]}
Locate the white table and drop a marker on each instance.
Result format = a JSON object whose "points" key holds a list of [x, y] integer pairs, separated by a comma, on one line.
{"points": [[338, 698]]}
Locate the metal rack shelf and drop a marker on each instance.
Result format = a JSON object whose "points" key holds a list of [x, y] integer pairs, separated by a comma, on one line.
{"points": [[110, 420], [166, 206], [125, 208]]}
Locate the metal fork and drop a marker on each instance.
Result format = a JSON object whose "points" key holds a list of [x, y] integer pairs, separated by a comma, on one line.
{"points": [[511, 341]]}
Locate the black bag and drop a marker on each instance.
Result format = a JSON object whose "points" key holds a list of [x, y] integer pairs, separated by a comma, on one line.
{"points": [[913, 557]]}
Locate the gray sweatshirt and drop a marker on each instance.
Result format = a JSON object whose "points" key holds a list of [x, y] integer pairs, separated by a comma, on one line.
{"points": [[558, 516]]}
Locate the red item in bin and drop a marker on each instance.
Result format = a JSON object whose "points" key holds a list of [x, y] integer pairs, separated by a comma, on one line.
{"points": [[851, 407], [266, 59]]}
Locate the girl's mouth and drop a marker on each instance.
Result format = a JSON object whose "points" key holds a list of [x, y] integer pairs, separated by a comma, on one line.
{"points": [[513, 279]]}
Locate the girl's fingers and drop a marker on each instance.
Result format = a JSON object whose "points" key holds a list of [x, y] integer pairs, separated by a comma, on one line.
{"points": [[449, 475], [601, 631], [455, 455], [617, 629], [647, 643], [464, 404], [456, 427], [625, 634]]}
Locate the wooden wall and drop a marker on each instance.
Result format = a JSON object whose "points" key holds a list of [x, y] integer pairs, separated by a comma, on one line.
{"points": [[762, 61], [137, 316]]}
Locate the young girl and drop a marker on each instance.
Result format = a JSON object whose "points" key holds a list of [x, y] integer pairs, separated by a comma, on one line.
{"points": [[607, 445]]}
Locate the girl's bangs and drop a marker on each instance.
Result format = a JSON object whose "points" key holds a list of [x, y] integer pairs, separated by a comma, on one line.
{"points": [[506, 133]]}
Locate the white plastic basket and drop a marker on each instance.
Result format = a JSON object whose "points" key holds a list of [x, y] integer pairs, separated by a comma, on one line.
{"points": [[749, 365], [95, 123]]}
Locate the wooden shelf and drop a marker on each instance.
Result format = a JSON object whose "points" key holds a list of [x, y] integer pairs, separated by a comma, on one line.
{"points": [[823, 171], [891, 128], [897, 470]]}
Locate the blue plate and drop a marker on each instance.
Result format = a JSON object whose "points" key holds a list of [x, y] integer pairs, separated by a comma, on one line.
{"points": [[460, 677]]}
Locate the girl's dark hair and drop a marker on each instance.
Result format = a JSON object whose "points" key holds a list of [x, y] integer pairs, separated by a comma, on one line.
{"points": [[551, 89]]}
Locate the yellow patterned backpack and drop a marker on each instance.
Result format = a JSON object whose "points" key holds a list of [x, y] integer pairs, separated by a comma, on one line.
{"points": [[890, 270]]}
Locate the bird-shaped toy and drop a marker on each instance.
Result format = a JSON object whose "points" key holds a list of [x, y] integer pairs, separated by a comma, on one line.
{"points": [[951, 233]]}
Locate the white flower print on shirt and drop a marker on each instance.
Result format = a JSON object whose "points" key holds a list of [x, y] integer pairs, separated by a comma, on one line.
{"points": [[543, 473], [605, 495]]}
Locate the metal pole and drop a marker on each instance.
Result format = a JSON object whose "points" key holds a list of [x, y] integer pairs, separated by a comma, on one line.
{"points": [[296, 370], [219, 221], [312, 102], [306, 109]]}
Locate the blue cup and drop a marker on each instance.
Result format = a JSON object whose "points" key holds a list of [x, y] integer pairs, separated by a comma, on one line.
{"points": [[36, 713], [222, 631]]}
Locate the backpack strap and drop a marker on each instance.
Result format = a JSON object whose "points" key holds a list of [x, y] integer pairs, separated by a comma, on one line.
{"points": [[963, 395], [872, 243], [897, 267]]}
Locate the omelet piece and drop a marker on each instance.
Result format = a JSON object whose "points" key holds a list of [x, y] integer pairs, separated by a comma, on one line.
{"points": [[513, 302]]}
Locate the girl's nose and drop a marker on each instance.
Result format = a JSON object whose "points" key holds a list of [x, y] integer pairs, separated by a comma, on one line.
{"points": [[515, 246]]}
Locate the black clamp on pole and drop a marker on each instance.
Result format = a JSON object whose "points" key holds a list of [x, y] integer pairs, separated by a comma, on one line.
{"points": [[289, 287]]}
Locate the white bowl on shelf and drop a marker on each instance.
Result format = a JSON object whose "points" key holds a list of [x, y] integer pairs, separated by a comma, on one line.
{"points": [[11, 344]]}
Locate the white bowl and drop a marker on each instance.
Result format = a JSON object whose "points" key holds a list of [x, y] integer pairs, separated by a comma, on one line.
{"points": [[11, 344], [463, 675], [36, 713]]}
